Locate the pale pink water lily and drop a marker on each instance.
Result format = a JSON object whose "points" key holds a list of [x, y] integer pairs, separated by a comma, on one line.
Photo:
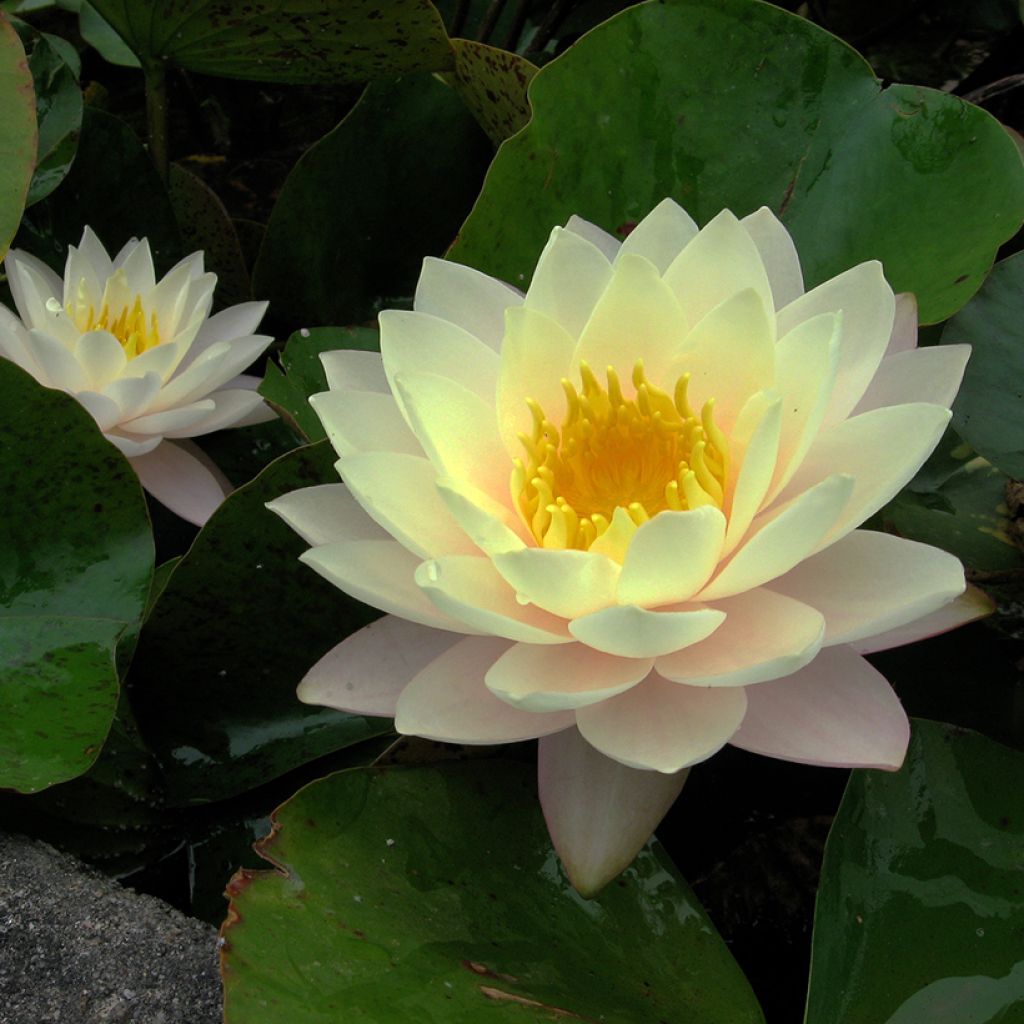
{"points": [[618, 513], [144, 358]]}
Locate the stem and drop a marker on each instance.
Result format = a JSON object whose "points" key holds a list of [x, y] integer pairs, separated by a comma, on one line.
{"points": [[156, 117], [490, 20]]}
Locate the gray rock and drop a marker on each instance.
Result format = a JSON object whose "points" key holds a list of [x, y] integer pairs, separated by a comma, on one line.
{"points": [[77, 948]]}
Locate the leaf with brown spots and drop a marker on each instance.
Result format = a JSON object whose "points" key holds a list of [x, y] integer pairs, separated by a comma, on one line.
{"points": [[492, 83]]}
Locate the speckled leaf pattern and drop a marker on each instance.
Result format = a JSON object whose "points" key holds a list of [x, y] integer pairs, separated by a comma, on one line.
{"points": [[238, 624], [989, 410], [920, 915], [432, 894], [735, 103], [388, 186], [492, 83], [302, 374], [308, 41], [18, 131], [76, 560]]}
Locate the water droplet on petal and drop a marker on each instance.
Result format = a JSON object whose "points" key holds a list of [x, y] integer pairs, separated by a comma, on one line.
{"points": [[53, 305], [433, 572]]}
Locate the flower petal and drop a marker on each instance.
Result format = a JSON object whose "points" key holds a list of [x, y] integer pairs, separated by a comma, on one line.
{"points": [[548, 678], [470, 589], [837, 711], [180, 481], [326, 513], [448, 701], [782, 537], [101, 356], [367, 671], [662, 726], [489, 524], [868, 308], [59, 366], [104, 410], [869, 583], [465, 297], [599, 812], [632, 632], [662, 235], [930, 375], [199, 377], [364, 421], [778, 253], [567, 583], [32, 284], [671, 557], [169, 421], [607, 243], [764, 636], [970, 606], [231, 407], [904, 327], [353, 370], [132, 394]]}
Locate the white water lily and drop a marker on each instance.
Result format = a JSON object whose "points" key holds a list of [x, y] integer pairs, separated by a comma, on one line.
{"points": [[144, 358], [619, 513]]}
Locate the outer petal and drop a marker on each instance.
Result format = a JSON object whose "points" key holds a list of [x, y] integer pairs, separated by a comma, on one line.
{"points": [[364, 421], [778, 253], [764, 636], [471, 589], [178, 420], [566, 583], [869, 583], [180, 481], [904, 327], [632, 632], [547, 678], [326, 513], [662, 726], [199, 377], [607, 243], [837, 711], [930, 375], [60, 367], [232, 407], [599, 812], [32, 283], [465, 297], [367, 671], [671, 557], [970, 606], [448, 701], [662, 235], [351, 369]]}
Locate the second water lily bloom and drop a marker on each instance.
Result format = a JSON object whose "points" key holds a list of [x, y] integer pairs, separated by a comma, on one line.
{"points": [[619, 513], [144, 357]]}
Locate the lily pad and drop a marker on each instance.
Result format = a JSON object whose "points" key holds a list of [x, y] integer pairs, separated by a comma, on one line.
{"points": [[237, 625], [18, 131], [302, 373], [432, 893], [300, 41], [492, 83], [363, 206], [735, 103], [989, 410], [919, 914], [74, 539]]}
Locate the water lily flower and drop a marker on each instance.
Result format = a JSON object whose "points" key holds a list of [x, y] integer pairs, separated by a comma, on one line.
{"points": [[144, 358], [618, 513]]}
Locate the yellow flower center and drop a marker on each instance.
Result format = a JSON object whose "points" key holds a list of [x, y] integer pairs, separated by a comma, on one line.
{"points": [[128, 323], [645, 454]]}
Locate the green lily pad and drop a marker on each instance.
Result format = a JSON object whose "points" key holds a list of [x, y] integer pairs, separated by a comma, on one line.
{"points": [[735, 103], [301, 41], [492, 83], [288, 389], [18, 131], [432, 893], [919, 913], [237, 625], [363, 206], [989, 410], [74, 539]]}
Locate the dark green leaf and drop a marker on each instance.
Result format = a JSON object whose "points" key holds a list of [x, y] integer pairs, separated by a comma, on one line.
{"points": [[492, 83], [919, 914], [237, 626], [432, 893], [361, 209], [284, 40], [101, 37], [735, 103], [18, 132], [304, 375]]}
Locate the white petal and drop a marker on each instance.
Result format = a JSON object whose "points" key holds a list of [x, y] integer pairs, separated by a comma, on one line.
{"points": [[608, 244], [93, 251], [137, 264], [488, 523], [180, 481], [132, 394], [448, 701], [351, 369], [231, 408], [326, 513], [161, 360], [764, 636], [662, 235], [671, 557], [837, 711], [930, 375], [470, 589], [364, 421], [104, 410], [32, 283], [566, 583], [171, 421], [904, 327], [197, 378], [367, 671], [662, 726], [465, 297], [553, 678], [131, 446], [599, 812], [632, 632], [59, 366], [239, 321], [778, 253]]}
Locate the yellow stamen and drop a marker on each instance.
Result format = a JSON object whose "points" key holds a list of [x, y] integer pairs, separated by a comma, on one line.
{"points": [[129, 324]]}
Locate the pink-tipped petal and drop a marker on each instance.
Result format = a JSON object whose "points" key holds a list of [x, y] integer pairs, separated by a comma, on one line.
{"points": [[599, 812], [448, 700], [838, 711], [180, 481], [904, 325], [367, 671], [970, 606], [919, 375]]}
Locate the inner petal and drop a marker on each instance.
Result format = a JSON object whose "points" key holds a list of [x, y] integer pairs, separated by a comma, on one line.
{"points": [[120, 314]]}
